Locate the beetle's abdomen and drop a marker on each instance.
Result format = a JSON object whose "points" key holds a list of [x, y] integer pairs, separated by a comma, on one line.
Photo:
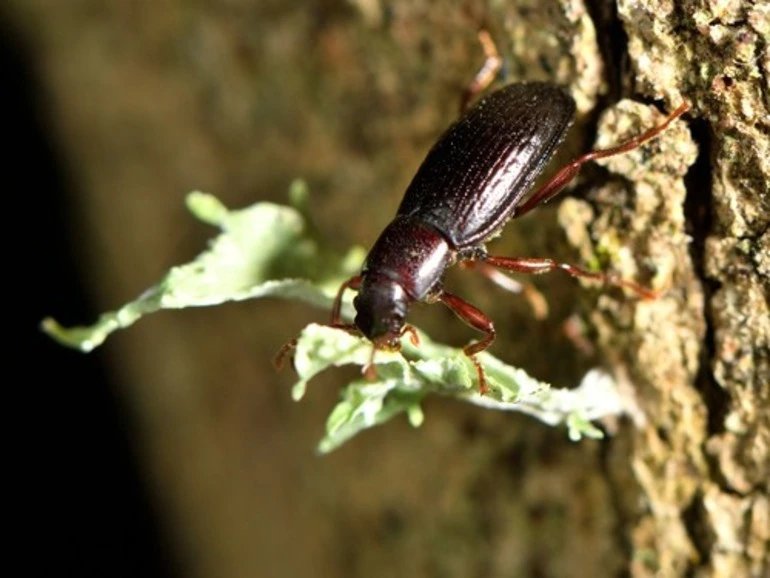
{"points": [[411, 253], [479, 170]]}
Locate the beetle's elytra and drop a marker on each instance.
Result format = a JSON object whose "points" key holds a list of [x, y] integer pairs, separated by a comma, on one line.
{"points": [[471, 183], [473, 177]]}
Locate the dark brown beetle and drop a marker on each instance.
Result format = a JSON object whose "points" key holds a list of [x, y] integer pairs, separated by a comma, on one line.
{"points": [[472, 182]]}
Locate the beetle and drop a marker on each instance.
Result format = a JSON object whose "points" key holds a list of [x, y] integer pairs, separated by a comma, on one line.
{"points": [[473, 181]]}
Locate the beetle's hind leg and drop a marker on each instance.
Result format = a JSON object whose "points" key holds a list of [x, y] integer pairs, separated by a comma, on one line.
{"points": [[567, 173], [487, 73], [534, 297], [539, 266]]}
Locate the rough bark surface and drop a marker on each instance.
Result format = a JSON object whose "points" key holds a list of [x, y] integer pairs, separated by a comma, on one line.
{"points": [[714, 431], [152, 99]]}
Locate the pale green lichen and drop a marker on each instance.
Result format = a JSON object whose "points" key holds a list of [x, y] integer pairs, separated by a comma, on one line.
{"points": [[258, 247]]}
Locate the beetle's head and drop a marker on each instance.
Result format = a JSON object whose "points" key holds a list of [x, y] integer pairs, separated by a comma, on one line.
{"points": [[381, 306]]}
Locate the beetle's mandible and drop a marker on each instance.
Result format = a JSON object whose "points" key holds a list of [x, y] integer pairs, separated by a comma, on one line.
{"points": [[471, 183]]}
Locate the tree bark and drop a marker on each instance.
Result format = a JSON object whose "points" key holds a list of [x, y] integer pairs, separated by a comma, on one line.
{"points": [[152, 99]]}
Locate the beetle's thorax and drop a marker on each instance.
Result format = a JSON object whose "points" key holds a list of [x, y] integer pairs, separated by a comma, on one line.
{"points": [[411, 253], [405, 265]]}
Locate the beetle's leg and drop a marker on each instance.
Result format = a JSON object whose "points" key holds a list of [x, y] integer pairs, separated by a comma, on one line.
{"points": [[573, 329], [487, 72], [352, 283], [538, 266], [567, 173], [536, 300], [291, 345], [285, 349], [414, 338], [479, 321]]}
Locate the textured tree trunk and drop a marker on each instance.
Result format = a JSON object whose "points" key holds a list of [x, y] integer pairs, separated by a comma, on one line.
{"points": [[152, 99]]}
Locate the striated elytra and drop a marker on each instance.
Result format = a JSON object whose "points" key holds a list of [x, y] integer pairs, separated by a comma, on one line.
{"points": [[474, 176], [471, 183]]}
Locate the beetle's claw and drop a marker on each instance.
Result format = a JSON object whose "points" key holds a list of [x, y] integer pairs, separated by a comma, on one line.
{"points": [[414, 338], [285, 350]]}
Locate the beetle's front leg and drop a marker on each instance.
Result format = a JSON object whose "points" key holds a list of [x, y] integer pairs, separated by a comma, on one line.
{"points": [[291, 345], [352, 283], [475, 318]]}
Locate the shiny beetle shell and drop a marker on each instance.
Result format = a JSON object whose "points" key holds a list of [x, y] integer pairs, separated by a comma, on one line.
{"points": [[473, 178]]}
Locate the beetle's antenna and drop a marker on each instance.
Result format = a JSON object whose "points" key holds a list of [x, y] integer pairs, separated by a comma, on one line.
{"points": [[368, 369]]}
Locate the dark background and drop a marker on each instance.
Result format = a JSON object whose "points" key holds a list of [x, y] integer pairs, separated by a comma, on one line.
{"points": [[87, 504]]}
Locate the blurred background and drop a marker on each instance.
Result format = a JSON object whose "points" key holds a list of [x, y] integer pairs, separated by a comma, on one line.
{"points": [[175, 449], [86, 500]]}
